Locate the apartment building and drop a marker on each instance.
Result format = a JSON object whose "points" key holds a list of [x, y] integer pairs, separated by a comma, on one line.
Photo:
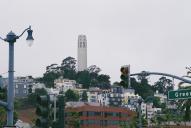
{"points": [[98, 116], [22, 85], [64, 84]]}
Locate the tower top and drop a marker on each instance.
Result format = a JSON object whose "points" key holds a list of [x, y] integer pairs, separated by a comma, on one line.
{"points": [[82, 52], [82, 41], [82, 38]]}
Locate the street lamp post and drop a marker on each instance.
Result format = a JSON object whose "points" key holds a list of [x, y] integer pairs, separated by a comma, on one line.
{"points": [[9, 105]]}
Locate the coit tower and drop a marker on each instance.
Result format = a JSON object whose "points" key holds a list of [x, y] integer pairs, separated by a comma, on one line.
{"points": [[82, 52]]}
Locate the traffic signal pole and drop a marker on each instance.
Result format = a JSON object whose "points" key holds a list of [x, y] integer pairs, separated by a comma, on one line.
{"points": [[125, 76], [129, 79], [55, 107]]}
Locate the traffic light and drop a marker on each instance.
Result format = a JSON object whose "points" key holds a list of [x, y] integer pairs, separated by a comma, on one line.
{"points": [[42, 111], [124, 76], [61, 106], [57, 111]]}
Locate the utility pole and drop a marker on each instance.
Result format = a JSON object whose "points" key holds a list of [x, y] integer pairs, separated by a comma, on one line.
{"points": [[139, 109]]}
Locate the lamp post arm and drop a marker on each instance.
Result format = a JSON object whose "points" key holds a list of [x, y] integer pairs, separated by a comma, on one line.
{"points": [[2, 39], [4, 104], [24, 31]]}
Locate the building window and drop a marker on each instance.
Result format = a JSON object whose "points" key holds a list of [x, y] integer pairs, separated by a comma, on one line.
{"points": [[16, 86], [80, 44], [84, 113], [24, 91], [84, 44], [25, 86], [91, 114]]}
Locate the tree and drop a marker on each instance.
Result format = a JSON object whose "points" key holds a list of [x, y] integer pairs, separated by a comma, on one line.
{"points": [[163, 85], [33, 96], [3, 97], [93, 69], [143, 88], [84, 96], [49, 77], [74, 120], [2, 117], [68, 67], [185, 104], [52, 68], [103, 81], [83, 77], [90, 78], [70, 95], [3, 94], [69, 63]]}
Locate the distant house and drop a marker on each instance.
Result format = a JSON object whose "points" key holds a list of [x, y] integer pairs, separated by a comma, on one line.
{"points": [[103, 97], [130, 99], [22, 85], [92, 94], [64, 84], [116, 96], [149, 111]]}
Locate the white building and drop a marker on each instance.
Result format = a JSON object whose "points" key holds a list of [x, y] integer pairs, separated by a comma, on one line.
{"points": [[64, 84], [149, 111], [144, 108], [92, 94], [162, 97], [103, 97], [129, 95], [82, 53], [38, 86]]}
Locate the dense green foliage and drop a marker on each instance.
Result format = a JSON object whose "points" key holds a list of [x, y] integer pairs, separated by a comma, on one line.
{"points": [[70, 95], [33, 96], [142, 87], [84, 96], [3, 117], [67, 69], [3, 96], [163, 85], [185, 105], [74, 121]]}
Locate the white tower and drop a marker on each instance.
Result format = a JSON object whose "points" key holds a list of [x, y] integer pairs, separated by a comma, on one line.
{"points": [[82, 53]]}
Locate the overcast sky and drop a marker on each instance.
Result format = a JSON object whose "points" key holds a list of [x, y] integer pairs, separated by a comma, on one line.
{"points": [[151, 35]]}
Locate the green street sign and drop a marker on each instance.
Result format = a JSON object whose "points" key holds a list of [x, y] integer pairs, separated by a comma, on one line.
{"points": [[179, 94]]}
